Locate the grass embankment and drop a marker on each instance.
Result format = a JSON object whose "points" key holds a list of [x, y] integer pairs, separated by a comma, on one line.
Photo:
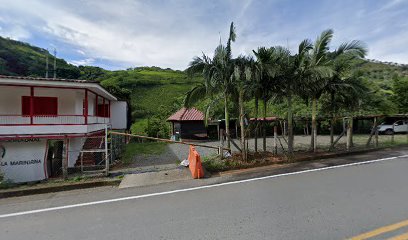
{"points": [[213, 163], [145, 148]]}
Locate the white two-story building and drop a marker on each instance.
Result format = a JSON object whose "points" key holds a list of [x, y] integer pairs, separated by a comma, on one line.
{"points": [[36, 111]]}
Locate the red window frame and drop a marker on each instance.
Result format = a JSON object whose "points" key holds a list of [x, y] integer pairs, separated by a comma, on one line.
{"points": [[103, 112], [42, 106]]}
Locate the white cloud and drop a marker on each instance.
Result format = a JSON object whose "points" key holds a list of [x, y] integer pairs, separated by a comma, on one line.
{"points": [[170, 33], [83, 62]]}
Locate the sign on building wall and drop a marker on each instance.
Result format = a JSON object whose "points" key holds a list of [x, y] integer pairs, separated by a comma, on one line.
{"points": [[23, 160]]}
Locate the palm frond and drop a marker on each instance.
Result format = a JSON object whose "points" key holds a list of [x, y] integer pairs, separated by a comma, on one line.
{"points": [[353, 48], [193, 96]]}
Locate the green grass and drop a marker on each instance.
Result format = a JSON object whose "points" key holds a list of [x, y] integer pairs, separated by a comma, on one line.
{"points": [[139, 126], [213, 163], [146, 148]]}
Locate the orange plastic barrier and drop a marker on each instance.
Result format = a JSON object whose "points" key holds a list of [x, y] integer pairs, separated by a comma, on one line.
{"points": [[195, 166]]}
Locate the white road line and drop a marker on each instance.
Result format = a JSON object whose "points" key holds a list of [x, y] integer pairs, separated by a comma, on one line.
{"points": [[192, 189]]}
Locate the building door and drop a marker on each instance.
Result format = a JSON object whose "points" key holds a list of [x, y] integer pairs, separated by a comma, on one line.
{"points": [[54, 158]]}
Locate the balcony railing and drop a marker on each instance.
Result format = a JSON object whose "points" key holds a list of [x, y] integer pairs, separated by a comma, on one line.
{"points": [[7, 120]]}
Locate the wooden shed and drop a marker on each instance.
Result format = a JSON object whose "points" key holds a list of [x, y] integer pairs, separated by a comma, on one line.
{"points": [[188, 124]]}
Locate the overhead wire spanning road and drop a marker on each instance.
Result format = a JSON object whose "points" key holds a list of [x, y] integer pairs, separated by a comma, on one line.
{"points": [[363, 200]]}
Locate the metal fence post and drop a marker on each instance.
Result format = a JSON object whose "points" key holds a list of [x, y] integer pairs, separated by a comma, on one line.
{"points": [[406, 122], [106, 151], [393, 133], [275, 140], [376, 132], [349, 133]]}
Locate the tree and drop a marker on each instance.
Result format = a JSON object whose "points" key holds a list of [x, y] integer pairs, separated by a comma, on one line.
{"points": [[291, 81], [261, 87], [269, 70], [217, 73], [244, 71], [317, 71], [400, 96], [321, 70], [344, 87]]}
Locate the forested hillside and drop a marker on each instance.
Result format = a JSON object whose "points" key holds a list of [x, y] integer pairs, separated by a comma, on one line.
{"points": [[154, 93], [22, 59]]}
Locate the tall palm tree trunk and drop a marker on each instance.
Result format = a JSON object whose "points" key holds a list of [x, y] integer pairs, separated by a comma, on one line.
{"points": [[290, 125], [313, 143], [242, 125], [333, 120], [256, 123], [264, 125], [227, 130]]}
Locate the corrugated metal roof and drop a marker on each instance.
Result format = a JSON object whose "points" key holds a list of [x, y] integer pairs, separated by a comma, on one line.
{"points": [[185, 114]]}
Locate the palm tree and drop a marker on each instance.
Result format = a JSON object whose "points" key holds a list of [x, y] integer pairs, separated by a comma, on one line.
{"points": [[244, 72], [343, 86], [291, 81], [268, 67], [322, 72], [318, 72], [217, 73]]}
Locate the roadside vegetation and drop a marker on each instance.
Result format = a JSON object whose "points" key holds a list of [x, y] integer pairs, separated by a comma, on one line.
{"points": [[312, 75]]}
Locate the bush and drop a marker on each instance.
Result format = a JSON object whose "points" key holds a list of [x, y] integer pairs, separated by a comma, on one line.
{"points": [[213, 163], [4, 184]]}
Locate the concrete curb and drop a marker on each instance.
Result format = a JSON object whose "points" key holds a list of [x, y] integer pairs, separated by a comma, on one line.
{"points": [[339, 154], [59, 188]]}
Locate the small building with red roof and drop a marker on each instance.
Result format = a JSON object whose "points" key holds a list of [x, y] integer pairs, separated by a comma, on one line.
{"points": [[188, 123]]}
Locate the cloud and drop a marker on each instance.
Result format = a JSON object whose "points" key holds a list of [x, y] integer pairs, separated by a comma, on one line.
{"points": [[83, 62], [169, 33]]}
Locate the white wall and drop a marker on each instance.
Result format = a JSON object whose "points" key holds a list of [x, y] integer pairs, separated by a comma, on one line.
{"points": [[69, 100], [75, 146], [119, 114], [10, 99], [24, 161], [91, 104], [51, 129]]}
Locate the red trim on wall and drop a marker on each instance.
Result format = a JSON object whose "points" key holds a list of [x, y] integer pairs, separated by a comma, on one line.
{"points": [[31, 104], [109, 108], [96, 105], [86, 106], [103, 108]]}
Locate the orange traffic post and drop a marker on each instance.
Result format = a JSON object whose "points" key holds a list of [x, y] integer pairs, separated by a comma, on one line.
{"points": [[195, 165]]}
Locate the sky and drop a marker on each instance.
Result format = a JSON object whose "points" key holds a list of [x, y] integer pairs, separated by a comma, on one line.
{"points": [[169, 33]]}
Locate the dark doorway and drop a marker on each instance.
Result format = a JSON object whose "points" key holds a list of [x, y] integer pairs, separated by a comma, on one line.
{"points": [[54, 158]]}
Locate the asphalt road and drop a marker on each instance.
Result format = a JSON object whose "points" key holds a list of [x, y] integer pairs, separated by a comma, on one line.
{"points": [[334, 203]]}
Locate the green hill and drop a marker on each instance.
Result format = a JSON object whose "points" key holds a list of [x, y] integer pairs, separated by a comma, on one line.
{"points": [[150, 90], [22, 59]]}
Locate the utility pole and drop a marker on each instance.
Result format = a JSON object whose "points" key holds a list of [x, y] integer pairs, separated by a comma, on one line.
{"points": [[55, 63], [46, 64]]}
